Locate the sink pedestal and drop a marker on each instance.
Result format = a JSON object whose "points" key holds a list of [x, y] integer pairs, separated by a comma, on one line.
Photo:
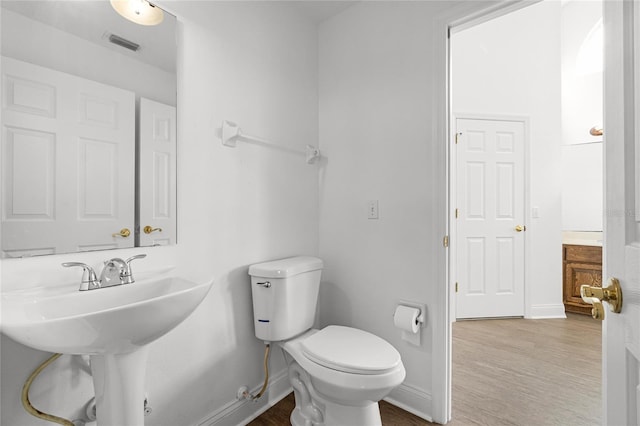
{"points": [[118, 380]]}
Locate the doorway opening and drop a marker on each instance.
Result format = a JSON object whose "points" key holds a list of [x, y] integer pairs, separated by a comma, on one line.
{"points": [[542, 65]]}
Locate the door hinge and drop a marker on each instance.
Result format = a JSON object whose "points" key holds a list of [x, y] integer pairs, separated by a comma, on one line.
{"points": [[445, 241], [456, 287], [458, 138], [457, 213]]}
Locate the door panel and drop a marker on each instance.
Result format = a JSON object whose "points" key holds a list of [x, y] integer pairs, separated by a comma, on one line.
{"points": [[68, 148], [157, 184], [29, 167], [98, 179], [489, 251], [506, 260]]}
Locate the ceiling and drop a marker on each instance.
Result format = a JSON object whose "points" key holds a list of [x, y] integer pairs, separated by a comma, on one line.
{"points": [[96, 20], [319, 10]]}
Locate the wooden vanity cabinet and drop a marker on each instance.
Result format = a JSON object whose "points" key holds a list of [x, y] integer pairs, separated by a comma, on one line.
{"points": [[581, 265]]}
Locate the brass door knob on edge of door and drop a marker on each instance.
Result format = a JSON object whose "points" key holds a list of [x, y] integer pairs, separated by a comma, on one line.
{"points": [[612, 294], [520, 228]]}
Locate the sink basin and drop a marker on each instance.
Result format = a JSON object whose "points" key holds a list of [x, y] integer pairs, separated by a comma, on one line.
{"points": [[117, 319], [113, 325]]}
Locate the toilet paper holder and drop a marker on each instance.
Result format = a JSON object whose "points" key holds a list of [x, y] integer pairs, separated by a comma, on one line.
{"points": [[422, 318], [409, 331]]}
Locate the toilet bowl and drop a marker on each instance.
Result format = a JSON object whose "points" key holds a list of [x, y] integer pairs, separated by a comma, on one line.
{"points": [[347, 365], [346, 372], [338, 373]]}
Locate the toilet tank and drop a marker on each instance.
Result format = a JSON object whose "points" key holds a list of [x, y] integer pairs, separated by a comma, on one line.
{"points": [[285, 296]]}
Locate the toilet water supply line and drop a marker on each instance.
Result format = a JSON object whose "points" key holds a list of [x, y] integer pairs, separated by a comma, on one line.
{"points": [[25, 395], [246, 394]]}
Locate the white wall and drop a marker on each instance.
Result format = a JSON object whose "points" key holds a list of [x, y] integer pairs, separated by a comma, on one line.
{"points": [[256, 64], [376, 68], [582, 187], [582, 93], [582, 79], [511, 66]]}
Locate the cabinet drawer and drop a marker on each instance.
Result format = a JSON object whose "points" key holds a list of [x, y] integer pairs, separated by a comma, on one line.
{"points": [[591, 254]]}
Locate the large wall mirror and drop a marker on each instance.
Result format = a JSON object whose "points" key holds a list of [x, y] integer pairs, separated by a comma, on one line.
{"points": [[88, 125]]}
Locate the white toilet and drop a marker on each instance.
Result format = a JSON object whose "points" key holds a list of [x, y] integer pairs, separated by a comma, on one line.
{"points": [[338, 373]]}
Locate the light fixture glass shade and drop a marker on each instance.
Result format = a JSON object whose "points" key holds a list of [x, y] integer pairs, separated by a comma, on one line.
{"points": [[139, 11]]}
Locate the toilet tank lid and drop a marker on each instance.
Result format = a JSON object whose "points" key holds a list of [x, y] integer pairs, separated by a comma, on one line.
{"points": [[284, 268]]}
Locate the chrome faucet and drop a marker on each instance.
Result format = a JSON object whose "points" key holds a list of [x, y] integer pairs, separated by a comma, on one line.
{"points": [[112, 273], [115, 272]]}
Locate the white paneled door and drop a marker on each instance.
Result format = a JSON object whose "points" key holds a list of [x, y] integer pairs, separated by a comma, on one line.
{"points": [[621, 331], [157, 173], [489, 223], [68, 147]]}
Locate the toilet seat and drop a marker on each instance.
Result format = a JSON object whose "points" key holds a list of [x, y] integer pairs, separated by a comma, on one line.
{"points": [[350, 350], [342, 387]]}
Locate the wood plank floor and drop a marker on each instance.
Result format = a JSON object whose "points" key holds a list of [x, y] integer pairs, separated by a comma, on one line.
{"points": [[511, 372]]}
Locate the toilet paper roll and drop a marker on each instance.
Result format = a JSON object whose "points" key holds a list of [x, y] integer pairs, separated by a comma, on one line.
{"points": [[406, 318]]}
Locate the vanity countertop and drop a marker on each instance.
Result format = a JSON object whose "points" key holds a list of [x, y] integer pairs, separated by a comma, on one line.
{"points": [[579, 238]]}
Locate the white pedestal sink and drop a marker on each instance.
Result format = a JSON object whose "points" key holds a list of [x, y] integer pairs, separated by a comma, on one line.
{"points": [[113, 325]]}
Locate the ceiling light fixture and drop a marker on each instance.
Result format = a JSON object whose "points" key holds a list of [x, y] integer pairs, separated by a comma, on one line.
{"points": [[139, 11]]}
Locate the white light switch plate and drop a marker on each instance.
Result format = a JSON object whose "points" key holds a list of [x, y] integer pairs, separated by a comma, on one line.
{"points": [[372, 209]]}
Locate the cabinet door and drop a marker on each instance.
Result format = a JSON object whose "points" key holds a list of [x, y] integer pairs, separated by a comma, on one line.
{"points": [[577, 274]]}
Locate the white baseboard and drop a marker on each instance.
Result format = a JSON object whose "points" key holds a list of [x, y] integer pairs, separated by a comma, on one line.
{"points": [[411, 399], [235, 412], [546, 311], [242, 412]]}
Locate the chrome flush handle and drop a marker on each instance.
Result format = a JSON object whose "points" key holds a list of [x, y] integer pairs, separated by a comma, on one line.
{"points": [[265, 284]]}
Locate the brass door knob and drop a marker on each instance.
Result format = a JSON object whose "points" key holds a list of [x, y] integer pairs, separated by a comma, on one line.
{"points": [[148, 229], [520, 228], [124, 233], [612, 294], [596, 131]]}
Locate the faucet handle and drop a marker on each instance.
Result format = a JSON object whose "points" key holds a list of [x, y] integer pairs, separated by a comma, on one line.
{"points": [[89, 279], [128, 277], [137, 256]]}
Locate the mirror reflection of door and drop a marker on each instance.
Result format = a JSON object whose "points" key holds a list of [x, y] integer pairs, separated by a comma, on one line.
{"points": [[67, 159], [77, 40], [157, 177]]}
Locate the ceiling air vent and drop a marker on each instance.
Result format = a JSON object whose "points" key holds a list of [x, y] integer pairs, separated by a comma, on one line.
{"points": [[123, 42]]}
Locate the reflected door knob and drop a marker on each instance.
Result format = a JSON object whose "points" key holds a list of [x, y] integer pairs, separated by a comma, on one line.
{"points": [[124, 233], [612, 294], [148, 229]]}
